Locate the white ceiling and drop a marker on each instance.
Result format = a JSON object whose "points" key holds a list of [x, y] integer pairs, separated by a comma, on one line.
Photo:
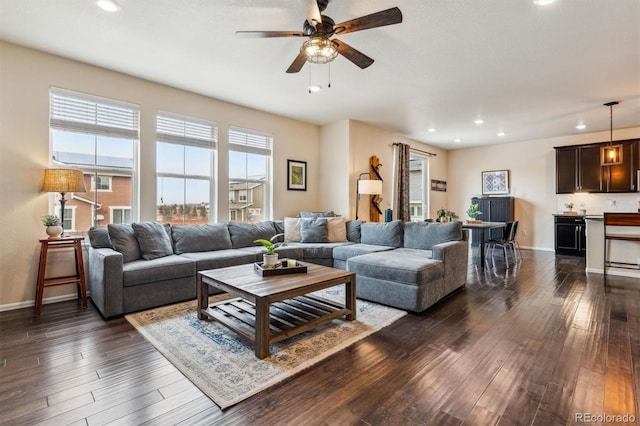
{"points": [[530, 71]]}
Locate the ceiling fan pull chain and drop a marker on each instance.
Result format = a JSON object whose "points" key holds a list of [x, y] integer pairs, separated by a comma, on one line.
{"points": [[329, 85]]}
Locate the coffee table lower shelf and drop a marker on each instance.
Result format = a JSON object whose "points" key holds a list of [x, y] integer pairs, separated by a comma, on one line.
{"points": [[286, 318]]}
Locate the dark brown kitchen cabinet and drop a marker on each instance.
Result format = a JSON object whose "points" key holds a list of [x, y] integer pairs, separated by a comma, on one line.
{"points": [[578, 169], [570, 235]]}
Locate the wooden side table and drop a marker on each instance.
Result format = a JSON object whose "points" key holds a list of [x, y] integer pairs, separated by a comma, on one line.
{"points": [[60, 243]]}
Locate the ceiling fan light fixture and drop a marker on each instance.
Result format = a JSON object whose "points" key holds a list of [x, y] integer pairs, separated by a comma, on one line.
{"points": [[319, 50]]}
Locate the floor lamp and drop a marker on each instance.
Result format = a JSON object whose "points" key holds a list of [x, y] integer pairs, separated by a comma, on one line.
{"points": [[63, 181], [368, 187]]}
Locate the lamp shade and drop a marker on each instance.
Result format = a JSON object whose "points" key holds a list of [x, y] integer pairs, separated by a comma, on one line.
{"points": [[369, 186], [63, 180]]}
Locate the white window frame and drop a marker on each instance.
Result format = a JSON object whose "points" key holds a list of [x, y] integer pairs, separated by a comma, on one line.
{"points": [[109, 180], [426, 187], [260, 143], [96, 116], [182, 130], [112, 210], [72, 211]]}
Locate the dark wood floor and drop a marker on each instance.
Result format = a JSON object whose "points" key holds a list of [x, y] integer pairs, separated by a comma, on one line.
{"points": [[538, 343]]}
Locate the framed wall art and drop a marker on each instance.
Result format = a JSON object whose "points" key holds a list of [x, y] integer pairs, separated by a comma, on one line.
{"points": [[296, 175], [495, 182]]}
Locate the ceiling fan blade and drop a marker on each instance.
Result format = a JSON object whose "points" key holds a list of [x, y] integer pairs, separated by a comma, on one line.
{"points": [[268, 34], [313, 13], [355, 56], [297, 63], [375, 20]]}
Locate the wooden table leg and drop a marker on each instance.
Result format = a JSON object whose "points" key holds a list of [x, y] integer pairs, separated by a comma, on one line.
{"points": [[262, 328], [82, 284], [42, 266], [203, 299], [350, 295]]}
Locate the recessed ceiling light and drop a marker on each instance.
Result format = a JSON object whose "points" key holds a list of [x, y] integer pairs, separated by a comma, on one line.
{"points": [[501, 134], [109, 5], [457, 140], [543, 2], [431, 130], [479, 121], [314, 88], [581, 126]]}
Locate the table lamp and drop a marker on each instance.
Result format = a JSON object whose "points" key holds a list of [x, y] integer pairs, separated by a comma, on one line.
{"points": [[63, 181]]}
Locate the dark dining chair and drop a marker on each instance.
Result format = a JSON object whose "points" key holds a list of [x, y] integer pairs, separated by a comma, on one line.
{"points": [[504, 242]]}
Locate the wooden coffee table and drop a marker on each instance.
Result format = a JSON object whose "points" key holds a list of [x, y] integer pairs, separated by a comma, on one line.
{"points": [[272, 308]]}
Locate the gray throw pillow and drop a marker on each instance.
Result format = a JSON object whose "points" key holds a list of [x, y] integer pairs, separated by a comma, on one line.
{"points": [[312, 215], [153, 240], [124, 240], [197, 238], [244, 234], [423, 235], [314, 231], [382, 234], [354, 230], [99, 237]]}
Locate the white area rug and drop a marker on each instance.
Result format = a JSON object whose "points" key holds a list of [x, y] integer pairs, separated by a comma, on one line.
{"points": [[223, 365]]}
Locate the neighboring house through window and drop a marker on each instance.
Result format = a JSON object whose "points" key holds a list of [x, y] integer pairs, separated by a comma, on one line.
{"points": [[418, 186], [250, 157], [185, 151], [98, 136]]}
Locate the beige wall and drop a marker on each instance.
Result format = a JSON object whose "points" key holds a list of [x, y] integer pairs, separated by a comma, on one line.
{"points": [[532, 180], [345, 149], [25, 78]]}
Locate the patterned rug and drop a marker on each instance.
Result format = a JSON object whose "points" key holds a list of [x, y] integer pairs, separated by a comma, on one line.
{"points": [[223, 365]]}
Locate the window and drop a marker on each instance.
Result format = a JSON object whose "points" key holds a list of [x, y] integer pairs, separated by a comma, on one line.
{"points": [[185, 150], [101, 183], [418, 187], [99, 136], [69, 224], [120, 215], [250, 175]]}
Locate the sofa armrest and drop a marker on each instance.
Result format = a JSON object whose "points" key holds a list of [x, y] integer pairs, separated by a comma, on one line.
{"points": [[106, 280], [455, 257]]}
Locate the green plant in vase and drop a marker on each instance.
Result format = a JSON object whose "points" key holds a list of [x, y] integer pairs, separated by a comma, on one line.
{"points": [[270, 258], [53, 224]]}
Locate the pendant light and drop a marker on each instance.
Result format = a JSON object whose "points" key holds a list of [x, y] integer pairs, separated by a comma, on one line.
{"points": [[611, 154]]}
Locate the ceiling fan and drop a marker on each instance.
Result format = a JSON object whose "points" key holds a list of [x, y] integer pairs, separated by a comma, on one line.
{"points": [[320, 48]]}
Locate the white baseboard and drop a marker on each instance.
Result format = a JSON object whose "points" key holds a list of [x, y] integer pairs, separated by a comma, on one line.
{"points": [[32, 303], [616, 272], [536, 248]]}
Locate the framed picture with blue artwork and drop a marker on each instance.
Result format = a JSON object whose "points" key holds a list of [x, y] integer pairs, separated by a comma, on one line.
{"points": [[495, 182]]}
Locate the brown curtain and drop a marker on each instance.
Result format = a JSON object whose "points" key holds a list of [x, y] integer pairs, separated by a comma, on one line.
{"points": [[400, 199]]}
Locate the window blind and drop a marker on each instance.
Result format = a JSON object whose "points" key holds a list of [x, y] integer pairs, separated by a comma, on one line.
{"points": [[186, 131], [76, 112], [249, 141]]}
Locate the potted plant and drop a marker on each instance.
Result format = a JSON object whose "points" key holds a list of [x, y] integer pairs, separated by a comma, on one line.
{"points": [[569, 206], [473, 213], [442, 215], [270, 258], [53, 224]]}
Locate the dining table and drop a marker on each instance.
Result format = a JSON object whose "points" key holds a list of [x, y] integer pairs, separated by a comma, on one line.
{"points": [[482, 226]]}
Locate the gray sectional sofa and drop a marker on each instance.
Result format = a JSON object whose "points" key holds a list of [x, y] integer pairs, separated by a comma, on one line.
{"points": [[143, 265]]}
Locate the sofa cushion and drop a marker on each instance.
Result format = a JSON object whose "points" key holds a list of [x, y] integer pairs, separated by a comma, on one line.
{"points": [[424, 235], [163, 268], [244, 234], [219, 258], [398, 267], [153, 240], [318, 250], [382, 234], [99, 237], [348, 251], [312, 215], [314, 230], [354, 230], [124, 240], [194, 238]]}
